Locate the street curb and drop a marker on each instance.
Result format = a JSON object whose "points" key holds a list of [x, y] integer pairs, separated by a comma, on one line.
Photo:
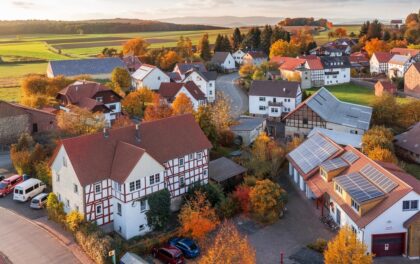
{"points": [[76, 253]]}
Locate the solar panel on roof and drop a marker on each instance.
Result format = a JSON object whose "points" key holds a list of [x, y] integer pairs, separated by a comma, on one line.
{"points": [[378, 178], [313, 152], [358, 187], [334, 164], [350, 157]]}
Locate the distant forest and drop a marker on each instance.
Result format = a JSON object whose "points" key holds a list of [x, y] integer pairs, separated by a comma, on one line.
{"points": [[91, 26], [305, 21]]}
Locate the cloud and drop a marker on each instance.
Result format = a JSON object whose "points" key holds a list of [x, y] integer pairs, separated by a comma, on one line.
{"points": [[23, 4]]}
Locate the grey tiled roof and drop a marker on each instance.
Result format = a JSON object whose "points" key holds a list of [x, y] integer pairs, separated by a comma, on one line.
{"points": [[86, 66], [335, 111], [223, 169], [247, 123]]}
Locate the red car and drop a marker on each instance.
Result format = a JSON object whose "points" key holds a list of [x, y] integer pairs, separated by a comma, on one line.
{"points": [[169, 255], [7, 185]]}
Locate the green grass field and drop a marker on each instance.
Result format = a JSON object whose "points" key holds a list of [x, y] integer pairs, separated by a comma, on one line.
{"points": [[322, 37], [413, 169], [350, 93]]}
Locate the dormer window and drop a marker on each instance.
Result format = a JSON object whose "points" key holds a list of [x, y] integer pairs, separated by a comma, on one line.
{"points": [[338, 189], [355, 205], [99, 99], [323, 173]]}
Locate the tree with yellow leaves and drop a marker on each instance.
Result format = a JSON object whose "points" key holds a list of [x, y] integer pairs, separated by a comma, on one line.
{"points": [[136, 47], [267, 201], [375, 45], [346, 248], [284, 48], [198, 217], [169, 59], [136, 102], [80, 121], [159, 109], [382, 154], [182, 105], [229, 247]]}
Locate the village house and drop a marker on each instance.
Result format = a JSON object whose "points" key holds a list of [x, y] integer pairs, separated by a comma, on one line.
{"points": [[98, 68], [398, 65], [330, 51], [108, 176], [359, 60], [224, 60], [169, 91], [254, 58], [407, 144], [380, 205], [273, 98], [412, 80], [413, 53], [238, 56], [379, 62], [183, 68], [247, 128], [149, 76], [16, 119], [336, 70], [382, 87], [132, 63], [205, 81], [91, 96], [324, 110], [396, 23]]}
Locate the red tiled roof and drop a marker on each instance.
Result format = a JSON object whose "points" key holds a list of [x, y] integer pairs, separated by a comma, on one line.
{"points": [[383, 57], [358, 57], [387, 86], [93, 156], [405, 51], [170, 90], [315, 64]]}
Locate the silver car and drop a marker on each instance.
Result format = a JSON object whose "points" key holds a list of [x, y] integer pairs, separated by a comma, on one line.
{"points": [[39, 201]]}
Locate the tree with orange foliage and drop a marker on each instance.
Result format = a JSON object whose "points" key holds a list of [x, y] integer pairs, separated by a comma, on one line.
{"points": [[198, 217], [241, 194], [182, 105], [229, 247], [122, 121], [136, 47], [136, 102], [301, 38], [346, 248], [340, 32], [169, 59], [284, 48], [382, 154], [375, 45], [158, 110]]}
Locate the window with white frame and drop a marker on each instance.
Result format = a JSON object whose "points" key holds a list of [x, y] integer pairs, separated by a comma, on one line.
{"points": [[410, 205], [199, 155], [119, 209], [138, 185], [262, 108], [181, 162], [143, 205], [338, 189], [191, 156], [98, 209], [75, 188], [57, 178], [64, 161], [355, 205], [132, 186], [262, 99], [97, 188], [67, 203], [157, 178], [205, 172], [152, 179], [181, 181]]}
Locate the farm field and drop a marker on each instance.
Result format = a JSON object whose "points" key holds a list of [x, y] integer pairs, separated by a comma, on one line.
{"points": [[322, 37], [11, 94]]}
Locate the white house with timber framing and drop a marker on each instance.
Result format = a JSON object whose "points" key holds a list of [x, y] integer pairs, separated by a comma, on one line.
{"points": [[107, 176]]}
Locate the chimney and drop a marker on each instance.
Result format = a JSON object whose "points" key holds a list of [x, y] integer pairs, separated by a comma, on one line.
{"points": [[138, 132], [106, 132]]}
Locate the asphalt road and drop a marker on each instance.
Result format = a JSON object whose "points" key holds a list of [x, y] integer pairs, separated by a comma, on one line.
{"points": [[24, 242], [239, 100]]}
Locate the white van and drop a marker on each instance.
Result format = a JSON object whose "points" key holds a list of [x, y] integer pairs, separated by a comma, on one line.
{"points": [[26, 190]]}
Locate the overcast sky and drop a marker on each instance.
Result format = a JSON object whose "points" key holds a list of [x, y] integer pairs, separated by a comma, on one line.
{"points": [[155, 9]]}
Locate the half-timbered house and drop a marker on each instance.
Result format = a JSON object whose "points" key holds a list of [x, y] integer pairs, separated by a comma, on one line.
{"points": [[108, 176], [324, 110]]}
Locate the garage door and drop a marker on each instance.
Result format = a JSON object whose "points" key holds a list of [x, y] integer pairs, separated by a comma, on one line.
{"points": [[388, 244]]}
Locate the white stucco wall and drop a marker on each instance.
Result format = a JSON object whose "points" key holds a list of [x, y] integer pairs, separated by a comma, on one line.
{"points": [[229, 63], [152, 80]]}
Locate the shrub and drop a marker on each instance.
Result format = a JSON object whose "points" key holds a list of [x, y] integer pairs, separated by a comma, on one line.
{"points": [[55, 209], [250, 180], [159, 209], [74, 220], [144, 245], [212, 191], [226, 138], [94, 242], [228, 208], [241, 195], [43, 172], [319, 245]]}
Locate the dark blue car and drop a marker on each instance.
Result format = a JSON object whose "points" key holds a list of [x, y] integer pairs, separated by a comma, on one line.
{"points": [[188, 246]]}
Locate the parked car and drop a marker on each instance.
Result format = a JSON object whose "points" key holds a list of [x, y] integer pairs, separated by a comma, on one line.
{"points": [[7, 185], [39, 201], [188, 246], [169, 255], [2, 177], [26, 190]]}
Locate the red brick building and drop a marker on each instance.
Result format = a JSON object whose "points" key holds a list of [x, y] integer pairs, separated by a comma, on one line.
{"points": [[412, 80], [384, 86]]}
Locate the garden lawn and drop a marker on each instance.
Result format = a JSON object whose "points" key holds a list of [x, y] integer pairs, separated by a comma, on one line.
{"points": [[350, 93], [413, 169], [10, 94]]}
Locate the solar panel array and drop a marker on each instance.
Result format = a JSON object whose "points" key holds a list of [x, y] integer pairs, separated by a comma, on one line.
{"points": [[313, 152], [334, 164], [378, 178], [350, 157], [358, 187]]}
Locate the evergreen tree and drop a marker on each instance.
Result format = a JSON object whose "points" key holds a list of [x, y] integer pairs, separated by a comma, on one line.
{"points": [[279, 33], [374, 30], [364, 29], [311, 45], [386, 36], [218, 43], [226, 44], [204, 45], [266, 35], [252, 39], [236, 39]]}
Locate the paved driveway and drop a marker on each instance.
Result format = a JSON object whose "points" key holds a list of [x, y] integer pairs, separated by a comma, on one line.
{"points": [[299, 227], [5, 163], [239, 100], [24, 242]]}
